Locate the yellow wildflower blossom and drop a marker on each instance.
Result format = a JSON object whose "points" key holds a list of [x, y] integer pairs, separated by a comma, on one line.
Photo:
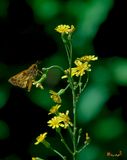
{"points": [[65, 119], [54, 109], [81, 68], [65, 29], [34, 158], [40, 138], [62, 120], [55, 97], [73, 70], [88, 58], [55, 122]]}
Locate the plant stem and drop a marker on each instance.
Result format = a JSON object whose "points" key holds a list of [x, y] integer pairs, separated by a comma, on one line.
{"points": [[68, 48], [79, 135], [71, 132], [57, 152], [74, 124], [87, 79], [80, 85], [63, 141], [55, 66], [66, 87], [74, 100], [83, 147], [67, 51], [74, 105]]}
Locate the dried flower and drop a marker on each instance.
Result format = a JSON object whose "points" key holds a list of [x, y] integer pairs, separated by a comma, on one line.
{"points": [[55, 97]]}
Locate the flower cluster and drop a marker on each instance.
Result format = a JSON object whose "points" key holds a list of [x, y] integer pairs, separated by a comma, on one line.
{"points": [[82, 65], [61, 120]]}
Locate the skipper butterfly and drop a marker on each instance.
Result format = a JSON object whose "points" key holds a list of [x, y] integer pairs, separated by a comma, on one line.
{"points": [[25, 78]]}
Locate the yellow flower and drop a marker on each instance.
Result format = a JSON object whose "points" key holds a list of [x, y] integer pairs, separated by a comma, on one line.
{"points": [[81, 68], [65, 119], [38, 85], [36, 158], [40, 138], [67, 71], [54, 109], [87, 138], [55, 122], [62, 120], [88, 58], [65, 29], [55, 97]]}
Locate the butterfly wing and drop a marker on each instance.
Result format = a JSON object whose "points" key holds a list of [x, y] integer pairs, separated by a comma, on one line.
{"points": [[24, 79], [20, 79]]}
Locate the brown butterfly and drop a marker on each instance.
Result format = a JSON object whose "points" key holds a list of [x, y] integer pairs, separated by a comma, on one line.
{"points": [[25, 78]]}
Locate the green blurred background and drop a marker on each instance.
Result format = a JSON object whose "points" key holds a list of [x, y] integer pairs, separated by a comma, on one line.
{"points": [[27, 35]]}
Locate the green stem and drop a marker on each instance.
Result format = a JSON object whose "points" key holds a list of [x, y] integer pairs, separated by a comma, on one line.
{"points": [[57, 152], [67, 51], [87, 79], [74, 101], [68, 48], [85, 145], [63, 141], [66, 87], [74, 106], [43, 77], [62, 91], [71, 132], [69, 54], [80, 85], [79, 135], [54, 66], [74, 124]]}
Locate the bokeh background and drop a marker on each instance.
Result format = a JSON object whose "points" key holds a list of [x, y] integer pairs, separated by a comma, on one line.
{"points": [[27, 35]]}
